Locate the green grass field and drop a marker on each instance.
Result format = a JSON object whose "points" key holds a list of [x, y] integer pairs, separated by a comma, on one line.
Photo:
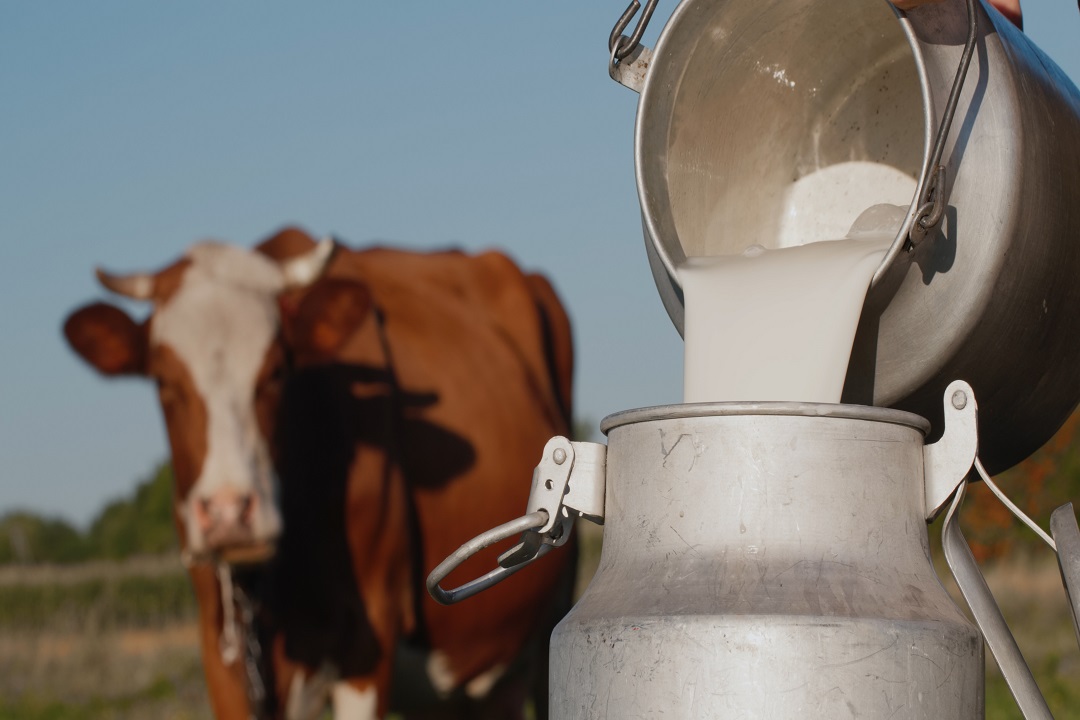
{"points": [[100, 640], [1033, 601], [117, 641]]}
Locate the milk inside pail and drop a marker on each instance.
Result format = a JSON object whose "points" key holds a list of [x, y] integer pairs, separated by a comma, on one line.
{"points": [[743, 98]]}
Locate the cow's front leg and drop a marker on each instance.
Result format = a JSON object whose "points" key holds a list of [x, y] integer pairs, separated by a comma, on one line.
{"points": [[225, 683], [304, 691], [361, 699], [308, 691]]}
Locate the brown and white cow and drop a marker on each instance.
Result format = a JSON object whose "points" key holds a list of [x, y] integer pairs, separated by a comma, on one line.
{"points": [[350, 418]]}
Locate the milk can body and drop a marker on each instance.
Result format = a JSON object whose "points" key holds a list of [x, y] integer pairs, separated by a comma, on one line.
{"points": [[765, 561]]}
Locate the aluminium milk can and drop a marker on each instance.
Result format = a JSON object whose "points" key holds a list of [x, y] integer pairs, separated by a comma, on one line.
{"points": [[769, 560], [766, 561]]}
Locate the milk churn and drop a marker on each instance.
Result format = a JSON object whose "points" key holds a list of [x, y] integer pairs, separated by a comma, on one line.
{"points": [[766, 561], [771, 559]]}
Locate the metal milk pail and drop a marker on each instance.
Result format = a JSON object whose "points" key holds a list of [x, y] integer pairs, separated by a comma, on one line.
{"points": [[742, 97], [766, 561]]}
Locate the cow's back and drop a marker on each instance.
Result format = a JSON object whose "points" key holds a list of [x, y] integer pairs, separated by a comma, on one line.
{"points": [[482, 357]]}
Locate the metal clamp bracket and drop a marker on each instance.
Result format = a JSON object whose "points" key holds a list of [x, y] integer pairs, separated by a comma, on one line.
{"points": [[948, 461], [567, 484]]}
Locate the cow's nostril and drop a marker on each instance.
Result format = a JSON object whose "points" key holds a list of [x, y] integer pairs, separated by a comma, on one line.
{"points": [[226, 517], [203, 513], [223, 509], [247, 507]]}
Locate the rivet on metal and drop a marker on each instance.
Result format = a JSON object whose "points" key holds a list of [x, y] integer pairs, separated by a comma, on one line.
{"points": [[959, 400], [559, 456]]}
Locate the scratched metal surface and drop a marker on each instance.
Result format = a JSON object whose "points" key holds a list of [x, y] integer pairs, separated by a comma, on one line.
{"points": [[765, 566]]}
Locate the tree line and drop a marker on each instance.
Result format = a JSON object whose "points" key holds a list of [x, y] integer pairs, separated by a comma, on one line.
{"points": [[141, 524]]}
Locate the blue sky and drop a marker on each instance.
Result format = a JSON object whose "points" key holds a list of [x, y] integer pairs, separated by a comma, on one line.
{"points": [[130, 129]]}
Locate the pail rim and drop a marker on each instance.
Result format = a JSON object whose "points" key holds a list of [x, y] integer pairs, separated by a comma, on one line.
{"points": [[790, 409]]}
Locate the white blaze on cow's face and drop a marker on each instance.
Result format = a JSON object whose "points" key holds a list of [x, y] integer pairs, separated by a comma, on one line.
{"points": [[217, 330]]}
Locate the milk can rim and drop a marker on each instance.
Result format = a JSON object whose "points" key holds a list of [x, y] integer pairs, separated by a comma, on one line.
{"points": [[742, 409]]}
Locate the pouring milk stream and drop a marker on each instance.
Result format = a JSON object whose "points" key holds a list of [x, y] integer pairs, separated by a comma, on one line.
{"points": [[779, 324]]}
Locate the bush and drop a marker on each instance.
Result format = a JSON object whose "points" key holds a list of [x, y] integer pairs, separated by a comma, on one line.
{"points": [[142, 525], [27, 538], [139, 525]]}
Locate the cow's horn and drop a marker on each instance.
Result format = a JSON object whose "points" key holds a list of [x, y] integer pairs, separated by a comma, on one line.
{"points": [[138, 286], [305, 269]]}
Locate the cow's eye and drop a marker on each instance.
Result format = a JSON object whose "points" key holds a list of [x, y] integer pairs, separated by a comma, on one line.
{"points": [[274, 368], [277, 373]]}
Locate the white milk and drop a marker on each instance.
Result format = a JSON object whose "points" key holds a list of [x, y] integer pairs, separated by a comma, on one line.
{"points": [[826, 203], [779, 324]]}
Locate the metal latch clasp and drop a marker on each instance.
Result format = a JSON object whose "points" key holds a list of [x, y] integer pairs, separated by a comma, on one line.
{"points": [[948, 461], [568, 483]]}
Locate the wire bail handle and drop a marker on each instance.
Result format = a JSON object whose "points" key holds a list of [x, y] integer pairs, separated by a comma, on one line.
{"points": [[932, 182], [568, 483], [620, 46]]}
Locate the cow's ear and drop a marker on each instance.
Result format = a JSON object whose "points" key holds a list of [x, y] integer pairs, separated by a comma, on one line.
{"points": [[107, 338], [318, 320], [286, 243]]}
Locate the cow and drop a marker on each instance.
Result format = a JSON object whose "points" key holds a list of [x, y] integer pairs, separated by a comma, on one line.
{"points": [[340, 421]]}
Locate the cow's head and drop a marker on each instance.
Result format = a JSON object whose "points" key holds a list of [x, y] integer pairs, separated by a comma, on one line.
{"points": [[218, 348]]}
